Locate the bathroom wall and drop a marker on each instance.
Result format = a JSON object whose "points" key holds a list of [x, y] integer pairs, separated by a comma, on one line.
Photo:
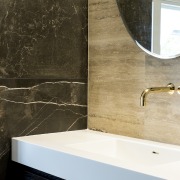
{"points": [[43, 69], [118, 73]]}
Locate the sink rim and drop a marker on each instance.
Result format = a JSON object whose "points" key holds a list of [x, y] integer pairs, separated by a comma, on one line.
{"points": [[90, 156]]}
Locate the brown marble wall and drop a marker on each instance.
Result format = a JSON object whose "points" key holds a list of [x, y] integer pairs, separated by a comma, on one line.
{"points": [[118, 73], [31, 36], [43, 70]]}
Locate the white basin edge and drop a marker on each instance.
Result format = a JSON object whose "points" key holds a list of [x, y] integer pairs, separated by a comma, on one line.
{"points": [[24, 148]]}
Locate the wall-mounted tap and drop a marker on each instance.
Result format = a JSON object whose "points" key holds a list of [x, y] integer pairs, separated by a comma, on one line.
{"points": [[169, 88], [178, 90]]}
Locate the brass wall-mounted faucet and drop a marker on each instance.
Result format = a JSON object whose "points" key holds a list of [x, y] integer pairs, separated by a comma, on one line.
{"points": [[169, 88]]}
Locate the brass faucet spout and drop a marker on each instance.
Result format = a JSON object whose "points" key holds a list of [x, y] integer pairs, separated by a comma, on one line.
{"points": [[169, 88]]}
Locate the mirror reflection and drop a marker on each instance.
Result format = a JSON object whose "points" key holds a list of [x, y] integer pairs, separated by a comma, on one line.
{"points": [[154, 25]]}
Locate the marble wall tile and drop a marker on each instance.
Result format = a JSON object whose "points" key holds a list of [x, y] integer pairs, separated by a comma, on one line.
{"points": [[43, 69], [43, 39], [162, 113], [46, 107], [118, 73], [115, 65]]}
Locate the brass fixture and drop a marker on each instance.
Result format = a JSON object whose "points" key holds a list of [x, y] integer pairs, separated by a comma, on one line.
{"points": [[178, 90], [169, 88]]}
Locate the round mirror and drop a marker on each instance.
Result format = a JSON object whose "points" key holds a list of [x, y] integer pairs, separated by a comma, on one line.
{"points": [[154, 25]]}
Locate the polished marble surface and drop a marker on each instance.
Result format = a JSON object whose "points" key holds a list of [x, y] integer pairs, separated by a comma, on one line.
{"points": [[43, 69], [43, 39], [43, 108]]}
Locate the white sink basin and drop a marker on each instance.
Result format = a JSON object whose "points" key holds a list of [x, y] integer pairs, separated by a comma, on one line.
{"points": [[91, 155], [129, 152]]}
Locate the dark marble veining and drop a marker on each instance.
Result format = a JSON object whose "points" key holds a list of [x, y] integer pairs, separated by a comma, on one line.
{"points": [[43, 69], [43, 108], [43, 38]]}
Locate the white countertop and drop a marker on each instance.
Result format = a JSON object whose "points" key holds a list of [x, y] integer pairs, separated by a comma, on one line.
{"points": [[83, 155]]}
